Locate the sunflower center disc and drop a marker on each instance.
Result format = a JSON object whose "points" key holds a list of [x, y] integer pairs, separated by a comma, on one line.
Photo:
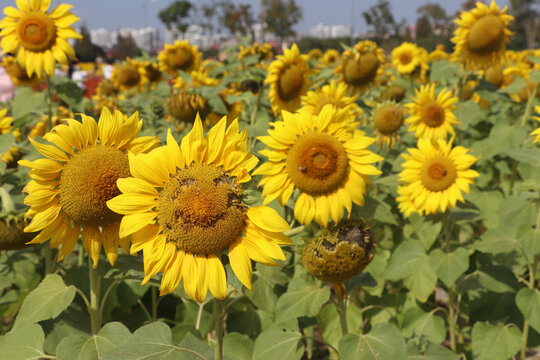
{"points": [[486, 35], [88, 181], [37, 32], [360, 72], [152, 72], [494, 75], [405, 58], [432, 114], [317, 163], [201, 210], [438, 173], [180, 59], [128, 75], [290, 82], [388, 119]]}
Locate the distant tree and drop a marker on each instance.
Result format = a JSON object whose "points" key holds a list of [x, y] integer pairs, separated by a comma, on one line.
{"points": [[434, 12], [175, 16], [526, 24], [423, 27], [84, 49], [125, 47], [238, 19], [208, 16], [280, 16], [381, 19]]}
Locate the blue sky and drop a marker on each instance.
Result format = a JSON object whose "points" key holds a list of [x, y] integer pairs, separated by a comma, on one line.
{"points": [[114, 14]]}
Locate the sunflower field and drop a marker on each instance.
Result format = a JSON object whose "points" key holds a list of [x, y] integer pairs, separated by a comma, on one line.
{"points": [[353, 204]]}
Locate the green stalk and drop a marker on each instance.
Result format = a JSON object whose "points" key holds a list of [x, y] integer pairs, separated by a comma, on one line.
{"points": [[341, 307], [49, 103], [95, 284], [218, 324], [528, 108], [155, 302], [452, 313]]}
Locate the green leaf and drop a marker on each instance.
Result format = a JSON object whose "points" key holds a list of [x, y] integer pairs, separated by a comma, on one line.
{"points": [[152, 342], [7, 141], [469, 113], [444, 71], [496, 241], [276, 343], [305, 301], [95, 346], [426, 231], [23, 343], [422, 282], [196, 346], [528, 302], [529, 156], [529, 238], [494, 342], [331, 325], [70, 93], [514, 87], [47, 301], [417, 321], [245, 322], [27, 101], [449, 266], [384, 341], [237, 346], [435, 352]]}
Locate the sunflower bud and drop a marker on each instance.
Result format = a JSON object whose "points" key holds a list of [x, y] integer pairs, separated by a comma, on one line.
{"points": [[12, 236]]}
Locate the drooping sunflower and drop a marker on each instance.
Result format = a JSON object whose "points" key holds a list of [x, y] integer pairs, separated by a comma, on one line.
{"points": [[183, 207], [287, 76], [406, 58], [334, 94], [183, 107], [179, 56], [359, 67], [17, 73], [482, 35], [39, 38], [129, 75], [536, 133], [433, 177], [322, 156], [432, 117], [393, 92], [387, 120], [70, 188]]}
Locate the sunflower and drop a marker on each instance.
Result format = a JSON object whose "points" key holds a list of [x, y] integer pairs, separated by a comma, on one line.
{"points": [[406, 58], [184, 107], [315, 54], [17, 73], [6, 126], [152, 71], [183, 207], [322, 156], [433, 177], [330, 56], [265, 51], [288, 80], [482, 35], [387, 120], [197, 78], [432, 117], [12, 235], [393, 92], [438, 54], [334, 94], [69, 190], [536, 133], [179, 56], [38, 37], [359, 67], [129, 75]]}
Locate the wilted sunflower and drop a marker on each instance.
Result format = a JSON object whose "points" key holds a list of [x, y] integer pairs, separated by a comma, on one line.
{"points": [[17, 73], [322, 156], [330, 56], [433, 177], [39, 38], [183, 207], [536, 133], [334, 94], [129, 75], [432, 117], [393, 92], [288, 80], [69, 189], [387, 120], [184, 107], [359, 67], [406, 58], [340, 254], [179, 56], [482, 35]]}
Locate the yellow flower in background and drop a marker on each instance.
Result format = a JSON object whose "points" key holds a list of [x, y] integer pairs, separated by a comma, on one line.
{"points": [[265, 51], [129, 75], [536, 133], [432, 116], [183, 207], [358, 68], [387, 120], [434, 176], [17, 73], [482, 34], [406, 58], [438, 54], [6, 126], [179, 56], [69, 189], [197, 78], [330, 56], [288, 80], [334, 94], [322, 156], [39, 38]]}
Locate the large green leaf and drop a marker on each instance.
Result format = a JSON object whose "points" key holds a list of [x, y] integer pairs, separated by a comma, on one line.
{"points": [[276, 343], [237, 346], [28, 101], [528, 302], [496, 241], [449, 266], [305, 301], [407, 258], [23, 343], [495, 342], [435, 352], [384, 341], [47, 301], [94, 346], [422, 282], [417, 321]]}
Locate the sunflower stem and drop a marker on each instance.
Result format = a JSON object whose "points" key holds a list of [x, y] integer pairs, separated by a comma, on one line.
{"points": [[529, 106], [155, 302], [452, 315], [95, 284], [532, 280], [218, 324], [309, 341], [295, 231], [341, 307], [49, 103]]}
